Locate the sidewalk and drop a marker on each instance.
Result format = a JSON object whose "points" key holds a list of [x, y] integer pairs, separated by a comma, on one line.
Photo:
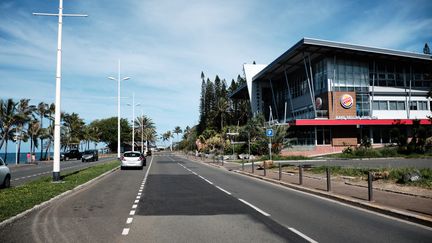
{"points": [[403, 203]]}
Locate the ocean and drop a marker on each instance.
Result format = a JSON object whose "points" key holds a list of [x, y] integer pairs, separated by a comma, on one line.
{"points": [[11, 157]]}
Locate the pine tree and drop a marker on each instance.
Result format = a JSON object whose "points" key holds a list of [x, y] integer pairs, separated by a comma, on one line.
{"points": [[202, 106], [210, 103]]}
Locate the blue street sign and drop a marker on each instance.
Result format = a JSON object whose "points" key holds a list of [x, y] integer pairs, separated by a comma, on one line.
{"points": [[269, 132]]}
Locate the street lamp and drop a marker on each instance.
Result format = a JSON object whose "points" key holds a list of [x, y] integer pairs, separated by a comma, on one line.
{"points": [[133, 120], [118, 79], [56, 163]]}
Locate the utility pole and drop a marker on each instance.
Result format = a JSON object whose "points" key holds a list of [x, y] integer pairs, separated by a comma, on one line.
{"points": [[56, 163]]}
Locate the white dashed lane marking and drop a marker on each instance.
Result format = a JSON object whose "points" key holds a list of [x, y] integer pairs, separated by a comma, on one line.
{"points": [[125, 231], [136, 201]]}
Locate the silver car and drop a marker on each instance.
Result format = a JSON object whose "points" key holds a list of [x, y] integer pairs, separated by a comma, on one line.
{"points": [[132, 159], [5, 175]]}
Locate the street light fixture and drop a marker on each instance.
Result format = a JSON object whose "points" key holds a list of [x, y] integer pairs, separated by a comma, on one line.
{"points": [[118, 79], [133, 120], [56, 163]]}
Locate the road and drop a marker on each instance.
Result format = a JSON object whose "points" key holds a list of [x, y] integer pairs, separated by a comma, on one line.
{"points": [[176, 200], [26, 173]]}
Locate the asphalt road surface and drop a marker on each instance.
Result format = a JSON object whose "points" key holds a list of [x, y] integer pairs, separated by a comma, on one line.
{"points": [[175, 200], [26, 173]]}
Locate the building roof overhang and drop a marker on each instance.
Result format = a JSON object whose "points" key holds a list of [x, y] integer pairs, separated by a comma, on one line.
{"points": [[355, 122], [308, 48]]}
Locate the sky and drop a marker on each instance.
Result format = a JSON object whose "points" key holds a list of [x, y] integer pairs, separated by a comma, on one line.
{"points": [[164, 45]]}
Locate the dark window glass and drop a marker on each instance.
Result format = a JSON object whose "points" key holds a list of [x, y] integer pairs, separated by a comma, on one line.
{"points": [[383, 105], [401, 105], [375, 105], [393, 105], [413, 105], [132, 155]]}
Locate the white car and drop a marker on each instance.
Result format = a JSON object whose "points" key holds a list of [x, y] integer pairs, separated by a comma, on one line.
{"points": [[5, 175], [132, 159]]}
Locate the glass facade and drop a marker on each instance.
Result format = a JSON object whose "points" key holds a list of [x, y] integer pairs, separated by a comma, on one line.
{"points": [[351, 75]]}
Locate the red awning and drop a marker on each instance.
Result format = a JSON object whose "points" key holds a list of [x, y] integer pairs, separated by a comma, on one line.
{"points": [[353, 122]]}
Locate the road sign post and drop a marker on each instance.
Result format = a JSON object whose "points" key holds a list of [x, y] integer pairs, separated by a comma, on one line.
{"points": [[269, 134]]}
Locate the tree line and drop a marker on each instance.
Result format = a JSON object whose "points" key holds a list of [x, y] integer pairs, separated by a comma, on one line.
{"points": [[21, 121], [221, 115]]}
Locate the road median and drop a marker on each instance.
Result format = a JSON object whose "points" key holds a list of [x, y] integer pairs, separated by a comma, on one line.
{"points": [[18, 201]]}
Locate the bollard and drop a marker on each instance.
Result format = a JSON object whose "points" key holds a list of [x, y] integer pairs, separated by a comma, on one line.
{"points": [[265, 170], [242, 165], [280, 171], [253, 167], [328, 179], [370, 190], [300, 175]]}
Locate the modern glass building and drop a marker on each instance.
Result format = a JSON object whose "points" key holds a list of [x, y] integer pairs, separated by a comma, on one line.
{"points": [[336, 93]]}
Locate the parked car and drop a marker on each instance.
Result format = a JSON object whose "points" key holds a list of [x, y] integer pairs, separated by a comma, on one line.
{"points": [[132, 159], [5, 175], [90, 155], [72, 154]]}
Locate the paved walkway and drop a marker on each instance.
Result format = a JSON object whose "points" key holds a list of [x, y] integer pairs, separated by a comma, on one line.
{"points": [[410, 204]]}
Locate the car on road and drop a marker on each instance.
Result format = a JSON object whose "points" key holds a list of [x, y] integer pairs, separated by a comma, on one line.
{"points": [[90, 155], [5, 175], [132, 159], [72, 154]]}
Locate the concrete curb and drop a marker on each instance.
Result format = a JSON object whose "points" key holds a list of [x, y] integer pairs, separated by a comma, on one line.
{"points": [[388, 190], [46, 203], [427, 221]]}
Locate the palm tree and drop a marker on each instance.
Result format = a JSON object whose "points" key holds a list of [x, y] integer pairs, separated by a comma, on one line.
{"points": [[34, 131], [167, 136], [177, 130], [8, 119], [75, 126], [42, 110], [147, 128], [222, 109], [25, 112], [48, 133]]}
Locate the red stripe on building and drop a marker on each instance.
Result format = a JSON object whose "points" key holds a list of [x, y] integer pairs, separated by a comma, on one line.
{"points": [[353, 122]]}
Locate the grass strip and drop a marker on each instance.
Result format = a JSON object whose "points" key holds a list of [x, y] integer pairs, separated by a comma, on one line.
{"points": [[394, 174], [18, 199]]}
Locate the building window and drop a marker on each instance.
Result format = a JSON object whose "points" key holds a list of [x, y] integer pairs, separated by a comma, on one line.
{"points": [[413, 106], [393, 105], [422, 105], [383, 105], [401, 105]]}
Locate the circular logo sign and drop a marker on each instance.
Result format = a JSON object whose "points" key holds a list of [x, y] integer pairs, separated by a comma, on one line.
{"points": [[346, 101], [318, 103]]}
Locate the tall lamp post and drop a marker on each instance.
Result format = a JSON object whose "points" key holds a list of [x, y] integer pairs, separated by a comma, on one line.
{"points": [[142, 132], [56, 163], [133, 120], [118, 79]]}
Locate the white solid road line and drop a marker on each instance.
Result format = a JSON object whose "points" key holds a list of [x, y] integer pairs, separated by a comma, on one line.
{"points": [[220, 188], [254, 207], [211, 183], [303, 235], [125, 231]]}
